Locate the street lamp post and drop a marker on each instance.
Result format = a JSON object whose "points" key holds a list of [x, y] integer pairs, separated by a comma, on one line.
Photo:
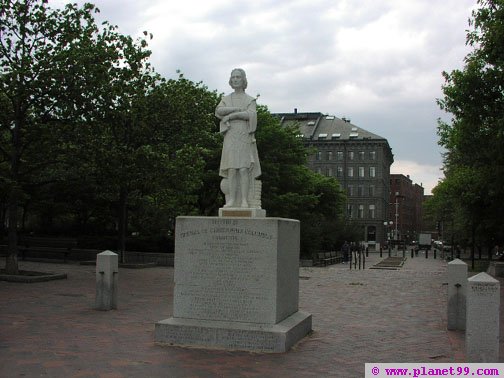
{"points": [[385, 224], [396, 216], [388, 229]]}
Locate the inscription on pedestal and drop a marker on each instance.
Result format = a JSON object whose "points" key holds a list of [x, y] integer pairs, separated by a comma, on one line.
{"points": [[484, 289], [237, 339], [190, 335], [226, 270]]}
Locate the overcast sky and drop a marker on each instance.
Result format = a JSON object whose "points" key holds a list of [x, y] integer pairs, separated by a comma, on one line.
{"points": [[376, 62]]}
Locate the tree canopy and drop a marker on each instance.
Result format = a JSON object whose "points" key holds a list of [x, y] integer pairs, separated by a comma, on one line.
{"points": [[50, 59], [473, 187]]}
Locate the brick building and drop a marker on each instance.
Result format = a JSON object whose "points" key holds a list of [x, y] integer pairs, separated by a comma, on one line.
{"points": [[358, 159], [405, 209]]}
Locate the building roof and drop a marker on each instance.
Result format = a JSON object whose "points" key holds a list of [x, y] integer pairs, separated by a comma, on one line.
{"points": [[318, 126]]}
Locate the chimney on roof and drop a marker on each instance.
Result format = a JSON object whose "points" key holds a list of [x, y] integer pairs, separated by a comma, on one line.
{"points": [[295, 110]]}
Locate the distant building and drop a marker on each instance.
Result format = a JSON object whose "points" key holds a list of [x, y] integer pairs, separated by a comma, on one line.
{"points": [[358, 159], [405, 211]]}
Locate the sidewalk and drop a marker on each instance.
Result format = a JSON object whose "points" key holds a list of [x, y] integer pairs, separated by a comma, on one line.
{"points": [[50, 329]]}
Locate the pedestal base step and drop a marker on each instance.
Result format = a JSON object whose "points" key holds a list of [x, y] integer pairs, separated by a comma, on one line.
{"points": [[272, 338]]}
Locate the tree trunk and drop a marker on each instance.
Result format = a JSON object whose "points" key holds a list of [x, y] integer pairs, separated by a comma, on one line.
{"points": [[11, 262], [3, 219], [23, 218], [123, 223]]}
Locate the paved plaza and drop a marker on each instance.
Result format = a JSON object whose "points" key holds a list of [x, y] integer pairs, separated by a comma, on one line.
{"points": [[50, 329]]}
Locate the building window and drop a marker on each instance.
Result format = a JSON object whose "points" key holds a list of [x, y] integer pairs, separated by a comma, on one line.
{"points": [[319, 170], [371, 190], [361, 212], [339, 155], [371, 234], [318, 156], [372, 171], [339, 172], [372, 211], [350, 172], [329, 155], [360, 190], [350, 155], [329, 172], [372, 155], [350, 191], [361, 172], [362, 155], [350, 211]]}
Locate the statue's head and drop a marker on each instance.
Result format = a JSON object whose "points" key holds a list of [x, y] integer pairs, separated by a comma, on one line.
{"points": [[242, 74]]}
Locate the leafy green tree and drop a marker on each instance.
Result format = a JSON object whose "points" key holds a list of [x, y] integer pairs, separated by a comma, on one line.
{"points": [[474, 161], [172, 135], [149, 162], [189, 126], [68, 84], [44, 60], [178, 140]]}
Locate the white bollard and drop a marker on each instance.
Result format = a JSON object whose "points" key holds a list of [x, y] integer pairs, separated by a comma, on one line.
{"points": [[457, 293], [107, 269], [482, 328]]}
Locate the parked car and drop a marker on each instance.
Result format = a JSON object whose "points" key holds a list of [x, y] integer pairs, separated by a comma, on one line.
{"points": [[442, 245]]}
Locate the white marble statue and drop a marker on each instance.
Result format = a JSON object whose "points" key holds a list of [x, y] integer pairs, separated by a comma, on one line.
{"points": [[239, 164]]}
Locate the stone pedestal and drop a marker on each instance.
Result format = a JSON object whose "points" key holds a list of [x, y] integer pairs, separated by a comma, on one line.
{"points": [[239, 212], [496, 269], [236, 285], [457, 292], [106, 280], [482, 328]]}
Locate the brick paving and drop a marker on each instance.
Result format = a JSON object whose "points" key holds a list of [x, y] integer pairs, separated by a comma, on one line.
{"points": [[50, 329]]}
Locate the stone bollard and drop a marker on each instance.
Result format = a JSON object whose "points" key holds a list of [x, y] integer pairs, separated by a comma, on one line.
{"points": [[106, 280], [482, 327], [457, 293]]}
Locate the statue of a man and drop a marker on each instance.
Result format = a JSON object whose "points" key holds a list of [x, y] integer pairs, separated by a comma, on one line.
{"points": [[238, 123]]}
